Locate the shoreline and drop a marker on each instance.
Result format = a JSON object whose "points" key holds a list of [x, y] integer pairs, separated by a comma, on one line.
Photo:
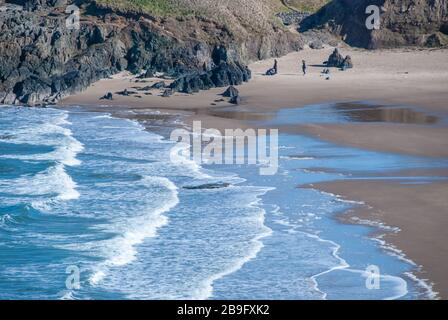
{"points": [[391, 77], [403, 228]]}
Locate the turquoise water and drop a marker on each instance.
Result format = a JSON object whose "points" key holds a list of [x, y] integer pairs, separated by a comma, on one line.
{"points": [[88, 191]]}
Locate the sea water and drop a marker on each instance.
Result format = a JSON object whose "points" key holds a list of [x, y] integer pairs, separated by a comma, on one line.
{"points": [[88, 193]]}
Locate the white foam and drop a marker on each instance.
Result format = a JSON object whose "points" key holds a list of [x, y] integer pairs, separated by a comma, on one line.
{"points": [[121, 249], [180, 155], [424, 284], [52, 134], [54, 181], [205, 291]]}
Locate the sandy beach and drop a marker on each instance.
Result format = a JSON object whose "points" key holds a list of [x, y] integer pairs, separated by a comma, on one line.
{"points": [[417, 78], [418, 210]]}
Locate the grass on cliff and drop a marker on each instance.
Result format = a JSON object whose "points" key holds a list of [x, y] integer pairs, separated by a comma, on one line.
{"points": [[159, 8], [208, 7], [310, 6]]}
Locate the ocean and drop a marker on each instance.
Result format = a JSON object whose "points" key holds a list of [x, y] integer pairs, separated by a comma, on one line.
{"points": [[87, 194]]}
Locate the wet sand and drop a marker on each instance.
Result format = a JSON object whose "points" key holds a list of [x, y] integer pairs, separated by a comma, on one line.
{"points": [[420, 211]]}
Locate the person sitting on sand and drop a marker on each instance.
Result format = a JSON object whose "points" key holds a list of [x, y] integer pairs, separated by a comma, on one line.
{"points": [[304, 67]]}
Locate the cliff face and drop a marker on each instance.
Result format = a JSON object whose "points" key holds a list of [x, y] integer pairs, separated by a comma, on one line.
{"points": [[402, 22], [41, 60]]}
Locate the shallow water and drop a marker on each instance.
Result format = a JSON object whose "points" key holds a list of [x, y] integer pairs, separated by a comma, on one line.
{"points": [[98, 193]]}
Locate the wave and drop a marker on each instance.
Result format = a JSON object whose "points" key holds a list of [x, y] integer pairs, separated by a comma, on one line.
{"points": [[121, 249], [180, 156], [48, 134], [206, 290]]}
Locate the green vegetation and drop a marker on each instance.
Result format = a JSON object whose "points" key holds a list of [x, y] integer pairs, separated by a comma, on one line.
{"points": [[154, 7], [207, 7], [307, 5]]}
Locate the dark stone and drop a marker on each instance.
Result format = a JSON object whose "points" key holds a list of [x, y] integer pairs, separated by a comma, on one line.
{"points": [[271, 72], [235, 100], [335, 59], [107, 96], [167, 93], [208, 186], [347, 63], [316, 44], [125, 92], [230, 92], [158, 85]]}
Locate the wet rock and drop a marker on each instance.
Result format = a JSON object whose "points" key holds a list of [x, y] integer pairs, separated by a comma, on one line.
{"points": [[235, 100], [107, 96], [125, 92], [208, 186], [231, 92]]}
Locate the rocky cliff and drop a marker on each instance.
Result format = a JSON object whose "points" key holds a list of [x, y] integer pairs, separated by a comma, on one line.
{"points": [[402, 22], [42, 58]]}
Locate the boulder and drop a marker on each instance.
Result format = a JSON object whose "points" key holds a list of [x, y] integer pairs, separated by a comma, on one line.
{"points": [[158, 85], [225, 74], [335, 59], [107, 96], [271, 72], [347, 63], [316, 44], [167, 93], [235, 100], [230, 92]]}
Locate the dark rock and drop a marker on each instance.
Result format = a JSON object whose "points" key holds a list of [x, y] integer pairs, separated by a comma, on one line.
{"points": [[158, 85], [125, 92], [167, 93], [41, 60], [231, 92], [292, 18], [402, 23], [316, 44], [235, 100], [335, 59], [226, 73], [347, 63], [208, 186], [437, 39], [271, 72], [107, 96]]}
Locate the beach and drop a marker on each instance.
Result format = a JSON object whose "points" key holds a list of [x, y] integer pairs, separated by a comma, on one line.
{"points": [[406, 78]]}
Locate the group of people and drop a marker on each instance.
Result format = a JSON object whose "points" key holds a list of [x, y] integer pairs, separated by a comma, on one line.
{"points": [[273, 71]]}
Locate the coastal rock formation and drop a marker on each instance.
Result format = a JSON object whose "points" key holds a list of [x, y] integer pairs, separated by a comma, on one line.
{"points": [[223, 73], [402, 22], [335, 59], [42, 60], [231, 91]]}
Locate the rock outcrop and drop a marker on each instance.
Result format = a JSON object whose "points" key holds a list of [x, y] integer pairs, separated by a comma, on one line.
{"points": [[41, 60], [402, 22]]}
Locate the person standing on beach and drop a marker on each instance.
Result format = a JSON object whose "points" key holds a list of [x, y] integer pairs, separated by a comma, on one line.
{"points": [[275, 66], [304, 67]]}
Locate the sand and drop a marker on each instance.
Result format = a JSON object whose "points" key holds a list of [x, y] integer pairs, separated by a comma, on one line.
{"points": [[404, 77], [390, 77], [420, 211]]}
